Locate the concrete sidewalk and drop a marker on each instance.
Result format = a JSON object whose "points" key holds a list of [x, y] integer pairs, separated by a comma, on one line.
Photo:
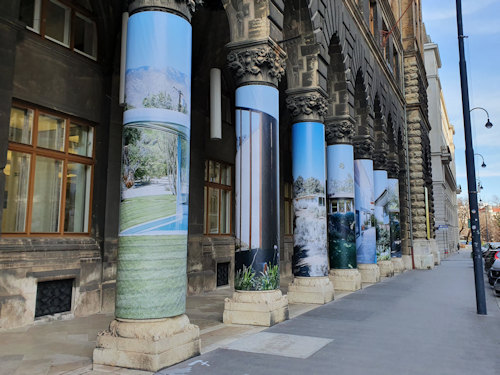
{"points": [[421, 322]]}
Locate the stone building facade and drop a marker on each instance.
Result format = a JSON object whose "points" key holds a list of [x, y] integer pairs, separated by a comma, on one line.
{"points": [[443, 157], [348, 65]]}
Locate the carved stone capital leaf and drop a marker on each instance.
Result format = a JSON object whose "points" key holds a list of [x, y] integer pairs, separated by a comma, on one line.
{"points": [[307, 107], [363, 147], [184, 7], [341, 132], [257, 64], [392, 168], [380, 159]]}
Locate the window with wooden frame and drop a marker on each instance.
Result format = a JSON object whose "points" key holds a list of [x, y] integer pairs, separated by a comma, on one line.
{"points": [[69, 23], [288, 198], [49, 172], [373, 16], [218, 192]]}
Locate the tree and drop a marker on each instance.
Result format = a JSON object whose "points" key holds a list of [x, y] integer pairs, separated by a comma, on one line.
{"points": [[463, 219]]}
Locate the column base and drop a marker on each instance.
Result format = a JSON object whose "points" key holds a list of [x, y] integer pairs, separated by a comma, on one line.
{"points": [[407, 261], [435, 252], [148, 345], [318, 290], [258, 308], [398, 265], [370, 273], [346, 280], [386, 268], [424, 260]]}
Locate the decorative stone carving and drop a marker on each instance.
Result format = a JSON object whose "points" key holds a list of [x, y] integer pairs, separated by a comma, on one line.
{"points": [[257, 64], [307, 106], [392, 168], [380, 159], [363, 147], [341, 132], [185, 7]]}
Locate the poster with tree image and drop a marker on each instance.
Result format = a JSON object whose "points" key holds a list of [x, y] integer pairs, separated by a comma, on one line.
{"points": [[341, 216], [382, 225], [152, 254]]}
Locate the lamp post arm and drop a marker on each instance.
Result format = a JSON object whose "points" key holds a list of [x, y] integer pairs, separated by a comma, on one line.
{"points": [[487, 114]]}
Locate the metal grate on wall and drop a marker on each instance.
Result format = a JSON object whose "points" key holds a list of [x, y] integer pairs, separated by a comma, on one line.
{"points": [[222, 274], [53, 297]]}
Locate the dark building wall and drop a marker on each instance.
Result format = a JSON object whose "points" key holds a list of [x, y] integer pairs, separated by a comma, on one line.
{"points": [[39, 72]]}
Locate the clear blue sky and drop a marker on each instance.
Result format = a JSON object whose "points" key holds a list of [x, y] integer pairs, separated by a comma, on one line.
{"points": [[482, 47]]}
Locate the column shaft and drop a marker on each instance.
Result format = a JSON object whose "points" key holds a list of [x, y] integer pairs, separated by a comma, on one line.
{"points": [[151, 275], [382, 226], [310, 236], [394, 217], [364, 202], [257, 188], [341, 211]]}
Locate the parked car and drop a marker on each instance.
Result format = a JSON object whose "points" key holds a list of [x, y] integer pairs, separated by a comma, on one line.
{"points": [[496, 287], [494, 271], [489, 255]]}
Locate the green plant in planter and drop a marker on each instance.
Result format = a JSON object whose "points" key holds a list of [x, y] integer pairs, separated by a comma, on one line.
{"points": [[270, 278], [245, 279]]}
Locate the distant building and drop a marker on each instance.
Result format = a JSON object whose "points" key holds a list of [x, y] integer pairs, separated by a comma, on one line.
{"points": [[443, 156]]}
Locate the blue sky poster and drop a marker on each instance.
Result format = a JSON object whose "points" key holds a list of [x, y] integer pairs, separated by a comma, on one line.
{"points": [[308, 169]]}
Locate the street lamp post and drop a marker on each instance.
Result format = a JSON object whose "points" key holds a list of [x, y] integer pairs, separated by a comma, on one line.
{"points": [[471, 173]]}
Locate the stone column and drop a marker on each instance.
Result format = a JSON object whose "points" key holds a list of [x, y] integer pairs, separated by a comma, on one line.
{"points": [[258, 67], [311, 283], [340, 205], [366, 247], [382, 226], [150, 330], [393, 208]]}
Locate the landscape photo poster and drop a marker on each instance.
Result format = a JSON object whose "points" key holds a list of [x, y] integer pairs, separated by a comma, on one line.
{"points": [[310, 255], [257, 188], [366, 249], [393, 209], [152, 258], [382, 227], [341, 215]]}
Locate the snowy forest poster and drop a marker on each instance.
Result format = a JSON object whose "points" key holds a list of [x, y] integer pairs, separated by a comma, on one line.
{"points": [[309, 200]]}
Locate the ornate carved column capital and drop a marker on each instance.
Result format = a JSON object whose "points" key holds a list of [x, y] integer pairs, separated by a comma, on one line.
{"points": [[306, 105], [185, 8], [257, 62], [392, 168], [339, 131], [380, 159], [363, 147]]}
